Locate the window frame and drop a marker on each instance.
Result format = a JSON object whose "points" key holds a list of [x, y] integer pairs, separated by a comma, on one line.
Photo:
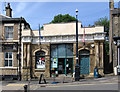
{"points": [[8, 59], [8, 32], [40, 56]]}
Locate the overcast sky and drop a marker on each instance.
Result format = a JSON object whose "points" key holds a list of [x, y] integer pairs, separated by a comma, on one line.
{"points": [[43, 12]]}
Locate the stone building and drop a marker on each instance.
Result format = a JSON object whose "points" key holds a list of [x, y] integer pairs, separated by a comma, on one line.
{"points": [[56, 52], [9, 42], [114, 37], [53, 53]]}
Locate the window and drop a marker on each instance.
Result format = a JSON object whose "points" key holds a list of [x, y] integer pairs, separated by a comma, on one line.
{"points": [[8, 59], [40, 60], [8, 32]]}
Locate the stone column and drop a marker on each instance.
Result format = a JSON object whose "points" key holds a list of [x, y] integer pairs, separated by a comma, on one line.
{"points": [[28, 55], [24, 55], [101, 64], [26, 63], [92, 61], [47, 61], [97, 53], [47, 66], [101, 54]]}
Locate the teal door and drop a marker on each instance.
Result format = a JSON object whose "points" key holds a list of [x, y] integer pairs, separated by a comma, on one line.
{"points": [[84, 62]]}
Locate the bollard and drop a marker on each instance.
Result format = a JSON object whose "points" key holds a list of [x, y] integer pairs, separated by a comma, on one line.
{"points": [[96, 74], [25, 88]]}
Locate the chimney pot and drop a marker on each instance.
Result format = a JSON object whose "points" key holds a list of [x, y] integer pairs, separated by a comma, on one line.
{"points": [[8, 10]]}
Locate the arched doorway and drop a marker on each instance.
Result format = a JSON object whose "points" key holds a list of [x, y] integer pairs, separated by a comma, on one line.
{"points": [[84, 62], [40, 60]]}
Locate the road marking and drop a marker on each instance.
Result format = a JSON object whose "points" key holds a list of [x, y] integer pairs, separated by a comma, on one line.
{"points": [[16, 84], [110, 83]]}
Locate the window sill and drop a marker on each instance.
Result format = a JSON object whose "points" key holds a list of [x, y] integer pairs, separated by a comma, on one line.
{"points": [[8, 67], [39, 70]]}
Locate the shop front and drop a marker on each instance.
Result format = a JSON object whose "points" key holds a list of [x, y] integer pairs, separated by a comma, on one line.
{"points": [[62, 59]]}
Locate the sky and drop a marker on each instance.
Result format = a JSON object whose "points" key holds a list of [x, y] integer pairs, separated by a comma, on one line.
{"points": [[41, 13]]}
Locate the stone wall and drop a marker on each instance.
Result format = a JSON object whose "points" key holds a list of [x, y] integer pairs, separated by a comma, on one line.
{"points": [[31, 63], [96, 55], [15, 31], [9, 70]]}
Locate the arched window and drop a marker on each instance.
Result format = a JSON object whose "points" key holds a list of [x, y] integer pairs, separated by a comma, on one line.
{"points": [[40, 60]]}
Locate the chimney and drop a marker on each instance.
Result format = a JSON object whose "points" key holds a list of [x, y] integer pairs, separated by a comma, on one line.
{"points": [[111, 4], [8, 11]]}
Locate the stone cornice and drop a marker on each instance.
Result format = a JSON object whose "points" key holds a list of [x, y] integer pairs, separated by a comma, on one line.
{"points": [[63, 38]]}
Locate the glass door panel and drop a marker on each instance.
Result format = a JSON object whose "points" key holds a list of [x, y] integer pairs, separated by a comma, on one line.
{"points": [[69, 66]]}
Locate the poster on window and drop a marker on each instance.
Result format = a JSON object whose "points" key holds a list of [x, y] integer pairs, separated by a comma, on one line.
{"points": [[54, 62], [40, 63]]}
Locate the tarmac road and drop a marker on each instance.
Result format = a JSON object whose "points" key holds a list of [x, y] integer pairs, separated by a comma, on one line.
{"points": [[104, 83], [102, 86]]}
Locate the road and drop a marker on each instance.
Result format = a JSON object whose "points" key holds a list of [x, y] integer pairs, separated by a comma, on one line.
{"points": [[102, 86], [104, 83]]}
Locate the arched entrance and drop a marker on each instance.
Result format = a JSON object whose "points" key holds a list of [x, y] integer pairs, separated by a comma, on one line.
{"points": [[84, 62], [40, 60]]}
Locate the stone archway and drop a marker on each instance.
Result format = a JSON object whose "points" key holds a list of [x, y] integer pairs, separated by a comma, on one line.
{"points": [[41, 69]]}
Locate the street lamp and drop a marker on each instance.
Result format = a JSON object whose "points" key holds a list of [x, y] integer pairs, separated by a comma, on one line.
{"points": [[77, 67]]}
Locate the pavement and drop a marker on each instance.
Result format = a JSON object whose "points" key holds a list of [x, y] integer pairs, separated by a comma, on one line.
{"points": [[59, 81]]}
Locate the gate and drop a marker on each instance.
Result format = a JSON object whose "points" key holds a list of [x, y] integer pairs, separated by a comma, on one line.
{"points": [[84, 62]]}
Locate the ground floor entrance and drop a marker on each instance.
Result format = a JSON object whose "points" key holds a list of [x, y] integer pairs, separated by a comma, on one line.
{"points": [[61, 66], [65, 66], [84, 62], [62, 59]]}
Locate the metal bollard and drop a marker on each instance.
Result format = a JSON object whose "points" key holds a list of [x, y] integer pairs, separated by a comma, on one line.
{"points": [[25, 88]]}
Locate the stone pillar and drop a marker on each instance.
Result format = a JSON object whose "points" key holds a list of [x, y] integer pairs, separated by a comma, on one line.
{"points": [[28, 55], [97, 53], [24, 55], [101, 64], [26, 62], [92, 61], [47, 61], [99, 56], [47, 66]]}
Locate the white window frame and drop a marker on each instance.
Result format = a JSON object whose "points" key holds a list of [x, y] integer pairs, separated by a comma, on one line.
{"points": [[8, 59], [8, 38]]}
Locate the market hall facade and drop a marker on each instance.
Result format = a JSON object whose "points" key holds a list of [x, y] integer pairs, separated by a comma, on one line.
{"points": [[55, 51]]}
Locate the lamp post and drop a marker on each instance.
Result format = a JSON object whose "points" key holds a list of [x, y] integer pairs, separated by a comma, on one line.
{"points": [[77, 67]]}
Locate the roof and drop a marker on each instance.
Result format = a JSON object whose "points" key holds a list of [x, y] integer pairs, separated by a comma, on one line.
{"points": [[3, 16], [6, 19], [116, 11]]}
